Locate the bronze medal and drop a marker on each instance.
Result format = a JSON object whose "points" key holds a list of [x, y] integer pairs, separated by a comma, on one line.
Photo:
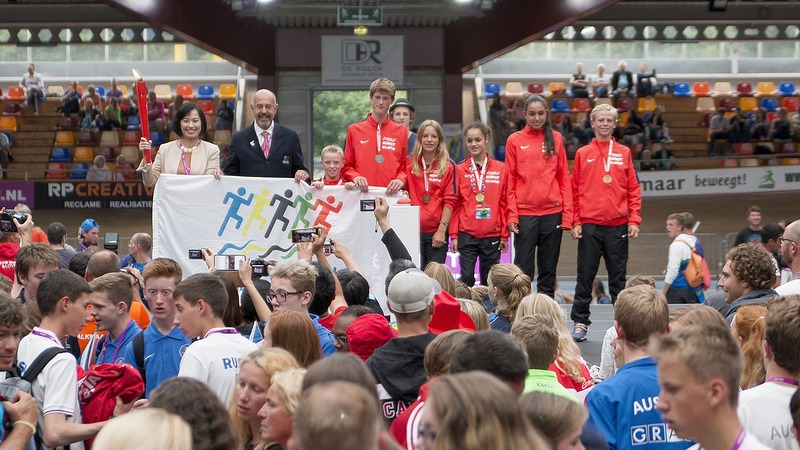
{"points": [[379, 158], [426, 198], [607, 179], [480, 197]]}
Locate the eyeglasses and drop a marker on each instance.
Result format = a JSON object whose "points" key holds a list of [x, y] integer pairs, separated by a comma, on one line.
{"points": [[342, 338], [425, 433], [280, 296], [786, 240]]}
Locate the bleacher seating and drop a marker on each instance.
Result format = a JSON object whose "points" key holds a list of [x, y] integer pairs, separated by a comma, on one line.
{"points": [[227, 91], [705, 105], [556, 87], [748, 162], [8, 123], [581, 105], [790, 103], [744, 89], [131, 154], [491, 88], [16, 94], [56, 170], [743, 149], [514, 89], [64, 139], [156, 137], [12, 109], [722, 88], [205, 92], [748, 104], [59, 155], [84, 154], [701, 89], [646, 105], [79, 170], [108, 153], [57, 90], [222, 137], [787, 89], [728, 104], [536, 88], [682, 90], [765, 88], [785, 147], [87, 137], [67, 123], [603, 101], [134, 123], [131, 137], [101, 91], [770, 103], [624, 104], [560, 105], [184, 90], [109, 139], [163, 91], [206, 106]]}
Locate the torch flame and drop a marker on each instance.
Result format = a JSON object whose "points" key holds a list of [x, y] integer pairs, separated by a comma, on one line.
{"points": [[136, 75]]}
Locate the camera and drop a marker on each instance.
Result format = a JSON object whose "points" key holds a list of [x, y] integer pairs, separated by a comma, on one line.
{"points": [[111, 242], [303, 235], [260, 266], [195, 254], [228, 262], [7, 223], [368, 205]]}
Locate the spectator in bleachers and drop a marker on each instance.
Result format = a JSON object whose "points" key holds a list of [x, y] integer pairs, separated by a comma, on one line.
{"points": [[123, 171], [5, 154], [155, 112], [568, 131], [403, 111], [133, 108], [645, 81], [224, 116], [584, 132], [519, 116], [759, 128], [88, 115], [172, 110], [781, 128], [93, 95], [796, 125], [601, 81], [666, 159], [718, 129], [114, 91], [739, 127], [98, 171], [633, 133], [33, 84], [657, 130], [112, 116], [71, 100], [501, 128], [579, 82], [622, 82]]}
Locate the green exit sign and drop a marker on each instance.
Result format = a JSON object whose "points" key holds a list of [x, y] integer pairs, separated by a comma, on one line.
{"points": [[357, 15]]}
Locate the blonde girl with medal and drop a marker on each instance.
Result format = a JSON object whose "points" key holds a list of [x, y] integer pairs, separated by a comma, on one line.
{"points": [[478, 228], [539, 194], [431, 186]]}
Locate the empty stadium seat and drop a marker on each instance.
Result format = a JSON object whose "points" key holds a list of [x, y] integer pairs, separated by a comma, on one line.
{"points": [[558, 118], [84, 153], [682, 90], [556, 87], [729, 162], [770, 103], [748, 104], [765, 88], [78, 171], [514, 89], [647, 104], [624, 104], [701, 89], [56, 170], [12, 109], [722, 88], [131, 137], [124, 90], [109, 139], [581, 105], [134, 123], [8, 123], [16, 94], [227, 91], [131, 154], [207, 106], [790, 161], [491, 88], [59, 154], [101, 91], [705, 104], [67, 123], [603, 101], [536, 88], [560, 105], [787, 89], [748, 162], [56, 90], [743, 148], [64, 139], [623, 117], [156, 137], [184, 90], [727, 103], [87, 137], [163, 91], [205, 92], [785, 147], [790, 103], [744, 89]]}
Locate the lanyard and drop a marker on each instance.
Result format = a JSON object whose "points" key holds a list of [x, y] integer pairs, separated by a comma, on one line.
{"points": [[36, 332], [220, 331], [477, 175], [186, 169], [791, 381], [739, 440], [120, 339], [379, 136]]}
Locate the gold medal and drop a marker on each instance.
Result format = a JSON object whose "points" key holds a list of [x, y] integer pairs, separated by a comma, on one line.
{"points": [[480, 197], [426, 198], [607, 179], [379, 159]]}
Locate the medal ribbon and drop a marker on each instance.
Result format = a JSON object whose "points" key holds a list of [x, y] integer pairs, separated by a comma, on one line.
{"points": [[739, 440], [607, 161], [186, 169], [379, 138], [478, 175], [425, 174]]}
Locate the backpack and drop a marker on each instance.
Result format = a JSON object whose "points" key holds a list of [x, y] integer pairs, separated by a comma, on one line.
{"points": [[694, 271], [15, 382]]}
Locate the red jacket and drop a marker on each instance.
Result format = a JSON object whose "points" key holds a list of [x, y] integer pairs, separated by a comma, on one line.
{"points": [[441, 189], [600, 203], [538, 186], [495, 198], [360, 150]]}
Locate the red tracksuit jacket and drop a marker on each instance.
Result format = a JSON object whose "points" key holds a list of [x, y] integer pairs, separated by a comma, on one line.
{"points": [[495, 198], [441, 190], [361, 147]]}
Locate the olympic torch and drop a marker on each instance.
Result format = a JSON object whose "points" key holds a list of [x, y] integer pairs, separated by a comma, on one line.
{"points": [[141, 97]]}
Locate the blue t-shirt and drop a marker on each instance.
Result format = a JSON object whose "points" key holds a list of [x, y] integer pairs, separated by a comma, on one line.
{"points": [[162, 355], [108, 349], [325, 336], [623, 408]]}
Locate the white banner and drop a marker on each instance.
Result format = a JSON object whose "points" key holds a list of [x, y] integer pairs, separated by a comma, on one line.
{"points": [[671, 183], [255, 216], [357, 61]]}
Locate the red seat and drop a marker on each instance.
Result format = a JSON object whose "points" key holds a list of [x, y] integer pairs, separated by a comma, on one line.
{"points": [[790, 103], [744, 149], [786, 147], [744, 89], [131, 137], [67, 123], [536, 88], [701, 89], [624, 104], [12, 109], [207, 106], [16, 93], [727, 103], [56, 171], [581, 105], [557, 118], [704, 121], [185, 91]]}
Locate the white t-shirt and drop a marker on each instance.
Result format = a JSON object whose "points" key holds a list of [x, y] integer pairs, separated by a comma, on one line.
{"points": [[790, 288], [749, 443], [214, 360], [764, 412], [56, 388]]}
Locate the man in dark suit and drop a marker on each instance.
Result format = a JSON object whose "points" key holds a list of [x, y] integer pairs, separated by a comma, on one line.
{"points": [[266, 149]]}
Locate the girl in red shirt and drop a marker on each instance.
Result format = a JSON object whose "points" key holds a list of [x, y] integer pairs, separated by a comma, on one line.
{"points": [[431, 186]]}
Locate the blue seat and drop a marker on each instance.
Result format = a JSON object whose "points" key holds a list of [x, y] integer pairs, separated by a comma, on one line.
{"points": [[770, 103], [560, 105], [682, 90], [787, 89], [157, 138], [10, 142], [101, 91], [205, 92], [78, 171], [59, 154], [491, 89], [134, 123]]}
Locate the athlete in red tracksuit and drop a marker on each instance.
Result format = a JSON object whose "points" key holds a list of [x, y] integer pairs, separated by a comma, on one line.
{"points": [[608, 202], [539, 194], [478, 227], [376, 148], [431, 186]]}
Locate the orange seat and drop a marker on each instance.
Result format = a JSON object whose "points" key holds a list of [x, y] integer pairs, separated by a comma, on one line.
{"points": [[84, 154], [790, 161], [8, 123], [765, 89], [227, 91], [185, 91], [16, 93], [646, 105], [556, 87], [64, 139], [748, 104], [701, 89]]}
